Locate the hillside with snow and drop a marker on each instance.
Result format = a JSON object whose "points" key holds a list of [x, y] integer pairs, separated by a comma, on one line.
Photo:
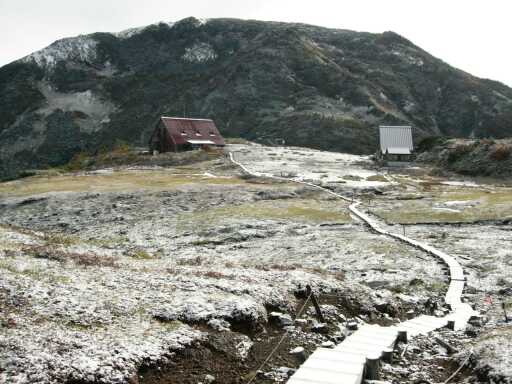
{"points": [[312, 86]]}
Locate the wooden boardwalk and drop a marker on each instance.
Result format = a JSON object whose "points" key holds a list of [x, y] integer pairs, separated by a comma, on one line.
{"points": [[345, 364]]}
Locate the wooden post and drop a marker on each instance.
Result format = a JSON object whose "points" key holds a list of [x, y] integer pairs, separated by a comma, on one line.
{"points": [[387, 355], [504, 306], [372, 367], [403, 227], [402, 336], [451, 325], [315, 304]]}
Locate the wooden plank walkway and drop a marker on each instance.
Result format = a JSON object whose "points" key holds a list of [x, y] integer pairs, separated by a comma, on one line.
{"points": [[346, 362]]}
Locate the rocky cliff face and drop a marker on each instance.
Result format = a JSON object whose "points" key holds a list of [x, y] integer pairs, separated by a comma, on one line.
{"points": [[312, 86]]}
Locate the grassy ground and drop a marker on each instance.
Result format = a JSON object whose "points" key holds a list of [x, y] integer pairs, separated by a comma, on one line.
{"points": [[471, 204], [298, 210], [109, 182]]}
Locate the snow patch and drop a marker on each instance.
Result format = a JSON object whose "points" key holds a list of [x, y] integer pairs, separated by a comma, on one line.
{"points": [[446, 209], [80, 49], [501, 96], [408, 58], [203, 307], [199, 53], [409, 106], [127, 33], [243, 347], [460, 183]]}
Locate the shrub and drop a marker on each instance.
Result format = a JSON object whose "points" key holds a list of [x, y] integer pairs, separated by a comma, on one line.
{"points": [[92, 259], [83, 259], [486, 142], [500, 152], [428, 143], [283, 267], [214, 275], [458, 152], [193, 262], [59, 239], [236, 140], [121, 147], [78, 162]]}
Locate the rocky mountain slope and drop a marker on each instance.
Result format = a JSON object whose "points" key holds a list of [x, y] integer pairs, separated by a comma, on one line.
{"points": [[468, 157], [313, 86]]}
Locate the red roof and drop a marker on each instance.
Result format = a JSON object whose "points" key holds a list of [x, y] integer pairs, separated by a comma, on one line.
{"points": [[194, 131]]}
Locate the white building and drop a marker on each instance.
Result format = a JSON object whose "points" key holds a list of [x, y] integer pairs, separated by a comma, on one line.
{"points": [[396, 144]]}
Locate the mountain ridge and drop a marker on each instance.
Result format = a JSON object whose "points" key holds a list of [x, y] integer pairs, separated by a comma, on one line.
{"points": [[314, 86]]}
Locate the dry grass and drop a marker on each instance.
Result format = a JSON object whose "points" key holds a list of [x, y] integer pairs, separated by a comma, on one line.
{"points": [[118, 181], [196, 261], [139, 254], [377, 178], [485, 205], [214, 275], [296, 210], [50, 252]]}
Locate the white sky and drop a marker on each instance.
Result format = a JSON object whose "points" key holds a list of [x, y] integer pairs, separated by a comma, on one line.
{"points": [[472, 35]]}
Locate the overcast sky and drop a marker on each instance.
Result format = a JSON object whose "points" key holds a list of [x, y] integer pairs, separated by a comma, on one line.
{"points": [[472, 35]]}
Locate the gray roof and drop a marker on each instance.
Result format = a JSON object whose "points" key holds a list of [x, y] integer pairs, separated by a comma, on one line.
{"points": [[396, 139]]}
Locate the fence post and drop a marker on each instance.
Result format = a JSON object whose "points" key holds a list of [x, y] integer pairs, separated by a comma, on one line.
{"points": [[315, 304]]}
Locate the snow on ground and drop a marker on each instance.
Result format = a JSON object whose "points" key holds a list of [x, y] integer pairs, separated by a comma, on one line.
{"points": [[117, 278], [493, 354], [199, 53], [126, 273], [127, 33], [80, 48], [483, 249], [308, 164]]}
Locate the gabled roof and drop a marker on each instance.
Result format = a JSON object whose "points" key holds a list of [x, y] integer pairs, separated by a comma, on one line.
{"points": [[396, 138], [192, 131]]}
